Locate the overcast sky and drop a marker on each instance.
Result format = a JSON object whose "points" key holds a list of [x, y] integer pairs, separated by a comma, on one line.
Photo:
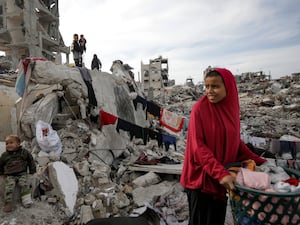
{"points": [[193, 34]]}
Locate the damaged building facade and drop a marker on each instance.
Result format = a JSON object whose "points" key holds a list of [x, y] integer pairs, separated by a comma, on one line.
{"points": [[155, 76], [31, 29]]}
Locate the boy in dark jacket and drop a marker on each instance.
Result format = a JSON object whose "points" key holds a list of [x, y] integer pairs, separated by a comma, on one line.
{"points": [[14, 165], [96, 63], [77, 50], [82, 42]]}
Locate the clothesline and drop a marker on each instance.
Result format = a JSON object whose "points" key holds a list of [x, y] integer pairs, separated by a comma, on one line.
{"points": [[137, 131], [166, 118]]}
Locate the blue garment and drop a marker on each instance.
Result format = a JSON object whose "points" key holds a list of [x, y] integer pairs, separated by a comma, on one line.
{"points": [[20, 84], [168, 140]]}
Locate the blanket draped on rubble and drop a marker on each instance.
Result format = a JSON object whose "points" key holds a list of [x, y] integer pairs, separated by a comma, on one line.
{"points": [[171, 121]]}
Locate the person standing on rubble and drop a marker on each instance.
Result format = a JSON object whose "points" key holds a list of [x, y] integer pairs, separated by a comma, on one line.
{"points": [[77, 51], [96, 63], [15, 163], [82, 42], [213, 141]]}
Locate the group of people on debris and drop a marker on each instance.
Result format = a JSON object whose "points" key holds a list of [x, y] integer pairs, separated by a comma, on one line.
{"points": [[78, 48]]}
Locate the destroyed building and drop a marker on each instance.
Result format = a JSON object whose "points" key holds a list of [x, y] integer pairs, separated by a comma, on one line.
{"points": [[31, 29], [99, 161], [250, 76], [155, 76]]}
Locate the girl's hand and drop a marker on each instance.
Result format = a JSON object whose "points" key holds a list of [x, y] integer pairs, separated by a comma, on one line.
{"points": [[227, 182]]}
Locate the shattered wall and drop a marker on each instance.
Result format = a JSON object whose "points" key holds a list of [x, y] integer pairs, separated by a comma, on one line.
{"points": [[30, 28], [155, 76], [7, 115]]}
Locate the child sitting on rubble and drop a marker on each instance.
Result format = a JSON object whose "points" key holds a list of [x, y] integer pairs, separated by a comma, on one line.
{"points": [[14, 165]]}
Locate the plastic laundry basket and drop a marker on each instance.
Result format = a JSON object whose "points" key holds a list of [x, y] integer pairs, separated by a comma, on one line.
{"points": [[254, 207]]}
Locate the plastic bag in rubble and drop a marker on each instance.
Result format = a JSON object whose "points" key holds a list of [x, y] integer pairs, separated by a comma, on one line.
{"points": [[48, 138]]}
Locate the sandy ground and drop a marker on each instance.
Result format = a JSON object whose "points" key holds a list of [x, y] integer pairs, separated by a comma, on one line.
{"points": [[40, 213]]}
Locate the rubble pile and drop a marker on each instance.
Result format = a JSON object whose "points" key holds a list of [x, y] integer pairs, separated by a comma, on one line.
{"points": [[98, 157], [5, 64], [180, 98], [89, 173], [271, 109], [7, 76]]}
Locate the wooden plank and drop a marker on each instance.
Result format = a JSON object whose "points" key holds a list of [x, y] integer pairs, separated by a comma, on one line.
{"points": [[7, 82], [159, 168]]}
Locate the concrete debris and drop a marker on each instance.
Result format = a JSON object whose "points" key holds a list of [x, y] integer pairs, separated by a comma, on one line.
{"points": [[64, 189], [6, 65], [269, 111], [91, 177], [146, 180]]}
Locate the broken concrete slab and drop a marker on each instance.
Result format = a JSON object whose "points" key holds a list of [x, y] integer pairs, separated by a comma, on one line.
{"points": [[65, 190], [159, 168]]}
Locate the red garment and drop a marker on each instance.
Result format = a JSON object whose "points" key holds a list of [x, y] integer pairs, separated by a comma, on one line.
{"points": [[26, 61], [214, 141], [107, 118], [292, 181]]}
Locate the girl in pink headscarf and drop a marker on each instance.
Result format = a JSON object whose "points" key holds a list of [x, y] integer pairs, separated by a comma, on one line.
{"points": [[213, 142]]}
